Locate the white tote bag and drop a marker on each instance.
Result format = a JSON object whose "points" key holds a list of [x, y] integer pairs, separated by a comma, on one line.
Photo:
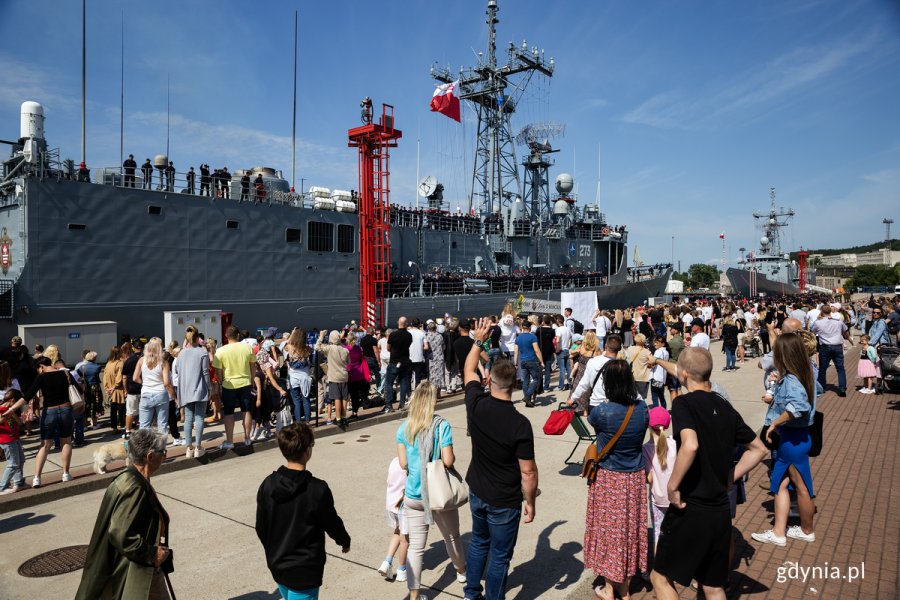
{"points": [[447, 490]]}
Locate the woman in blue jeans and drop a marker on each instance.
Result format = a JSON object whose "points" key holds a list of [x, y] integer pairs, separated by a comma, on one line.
{"points": [[297, 356], [152, 372], [791, 414], [55, 415], [192, 369], [730, 343]]}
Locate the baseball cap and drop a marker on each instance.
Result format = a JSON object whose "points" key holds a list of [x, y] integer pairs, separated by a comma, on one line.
{"points": [[659, 417]]}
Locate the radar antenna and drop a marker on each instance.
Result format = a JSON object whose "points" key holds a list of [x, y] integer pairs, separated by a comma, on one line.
{"points": [[537, 136], [494, 91], [773, 222]]}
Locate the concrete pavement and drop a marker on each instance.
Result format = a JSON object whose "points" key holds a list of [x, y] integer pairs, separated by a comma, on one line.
{"points": [[212, 507]]}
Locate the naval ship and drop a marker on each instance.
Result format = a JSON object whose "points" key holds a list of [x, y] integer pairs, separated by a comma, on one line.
{"points": [[80, 245], [767, 271]]}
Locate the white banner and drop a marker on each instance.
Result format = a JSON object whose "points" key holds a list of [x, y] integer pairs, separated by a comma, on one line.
{"points": [[583, 305]]}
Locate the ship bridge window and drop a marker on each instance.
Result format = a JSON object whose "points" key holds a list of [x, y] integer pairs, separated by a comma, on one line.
{"points": [[345, 236], [154, 210], [292, 235], [320, 236], [231, 224], [77, 226]]}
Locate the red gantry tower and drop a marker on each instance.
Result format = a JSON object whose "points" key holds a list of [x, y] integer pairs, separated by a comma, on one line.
{"points": [[374, 141]]}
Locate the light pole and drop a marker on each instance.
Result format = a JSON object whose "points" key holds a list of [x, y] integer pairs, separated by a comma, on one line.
{"points": [[673, 251], [413, 263]]}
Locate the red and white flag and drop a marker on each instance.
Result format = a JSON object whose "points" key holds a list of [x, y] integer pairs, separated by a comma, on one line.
{"points": [[445, 101]]}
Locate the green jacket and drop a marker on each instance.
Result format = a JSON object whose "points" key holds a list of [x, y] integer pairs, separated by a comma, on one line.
{"points": [[126, 535]]}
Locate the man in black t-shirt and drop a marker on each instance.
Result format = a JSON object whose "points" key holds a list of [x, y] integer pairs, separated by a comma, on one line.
{"points": [[546, 335], [502, 473], [399, 366], [696, 531], [132, 389]]}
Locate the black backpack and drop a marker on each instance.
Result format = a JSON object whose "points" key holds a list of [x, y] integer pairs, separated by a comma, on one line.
{"points": [[577, 326]]}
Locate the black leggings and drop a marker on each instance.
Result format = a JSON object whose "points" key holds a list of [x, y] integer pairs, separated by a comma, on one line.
{"points": [[174, 413], [116, 415], [764, 338]]}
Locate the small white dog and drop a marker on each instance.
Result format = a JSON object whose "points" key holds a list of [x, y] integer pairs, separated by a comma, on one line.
{"points": [[108, 453]]}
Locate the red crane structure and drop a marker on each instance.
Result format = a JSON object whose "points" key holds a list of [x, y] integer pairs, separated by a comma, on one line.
{"points": [[374, 141], [802, 261]]}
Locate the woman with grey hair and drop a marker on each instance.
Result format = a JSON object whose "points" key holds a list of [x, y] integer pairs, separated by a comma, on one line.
{"points": [[128, 556], [337, 357]]}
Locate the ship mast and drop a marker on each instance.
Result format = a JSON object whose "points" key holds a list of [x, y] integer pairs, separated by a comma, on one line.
{"points": [[774, 221], [495, 177]]}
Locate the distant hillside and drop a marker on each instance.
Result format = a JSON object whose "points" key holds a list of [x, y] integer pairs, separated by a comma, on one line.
{"points": [[895, 244]]}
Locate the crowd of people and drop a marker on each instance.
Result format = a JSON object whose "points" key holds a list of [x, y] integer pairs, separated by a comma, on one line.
{"points": [[634, 373]]}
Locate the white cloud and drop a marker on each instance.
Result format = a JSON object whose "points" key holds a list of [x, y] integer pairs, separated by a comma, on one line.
{"points": [[755, 91]]}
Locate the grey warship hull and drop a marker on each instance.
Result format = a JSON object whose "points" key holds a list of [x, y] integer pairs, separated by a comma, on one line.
{"points": [[89, 252], [739, 279]]}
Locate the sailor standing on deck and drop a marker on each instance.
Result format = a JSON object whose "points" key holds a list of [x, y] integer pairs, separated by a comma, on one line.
{"points": [[204, 179], [147, 171], [225, 177], [170, 177], [245, 186], [191, 177], [129, 166]]}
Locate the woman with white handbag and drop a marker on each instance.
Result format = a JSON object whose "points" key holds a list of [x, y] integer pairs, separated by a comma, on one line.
{"points": [[434, 491]]}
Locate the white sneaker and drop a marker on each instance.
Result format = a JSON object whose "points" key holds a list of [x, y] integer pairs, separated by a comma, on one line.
{"points": [[248, 442], [401, 575], [461, 578], [66, 477], [385, 569], [867, 391], [769, 537], [189, 453], [36, 482], [226, 446], [198, 452], [10, 490], [796, 533]]}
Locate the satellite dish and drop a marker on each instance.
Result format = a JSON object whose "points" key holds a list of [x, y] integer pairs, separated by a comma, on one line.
{"points": [[427, 186]]}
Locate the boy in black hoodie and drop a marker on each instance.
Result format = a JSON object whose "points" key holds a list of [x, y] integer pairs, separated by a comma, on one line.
{"points": [[294, 511]]}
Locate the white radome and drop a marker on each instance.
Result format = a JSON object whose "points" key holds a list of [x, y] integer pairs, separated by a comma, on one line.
{"points": [[32, 123], [564, 183], [764, 241]]}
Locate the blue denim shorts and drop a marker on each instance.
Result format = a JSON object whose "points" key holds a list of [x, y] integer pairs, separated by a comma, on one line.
{"points": [[56, 421], [237, 400]]}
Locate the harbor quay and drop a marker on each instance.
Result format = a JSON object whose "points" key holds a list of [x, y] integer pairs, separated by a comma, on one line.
{"points": [[212, 505]]}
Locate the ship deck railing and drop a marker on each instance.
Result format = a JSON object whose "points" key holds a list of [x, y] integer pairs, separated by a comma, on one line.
{"points": [[473, 285]]}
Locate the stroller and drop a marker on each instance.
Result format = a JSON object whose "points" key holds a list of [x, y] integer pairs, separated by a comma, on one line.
{"points": [[751, 345], [889, 361]]}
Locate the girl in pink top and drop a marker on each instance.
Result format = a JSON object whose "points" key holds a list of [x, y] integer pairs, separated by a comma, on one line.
{"points": [[396, 483], [659, 459]]}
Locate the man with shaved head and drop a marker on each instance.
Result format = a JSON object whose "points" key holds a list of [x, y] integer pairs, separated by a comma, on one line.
{"points": [[696, 536]]}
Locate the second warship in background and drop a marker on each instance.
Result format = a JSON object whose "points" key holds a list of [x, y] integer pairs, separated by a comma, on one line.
{"points": [[767, 271], [82, 248]]}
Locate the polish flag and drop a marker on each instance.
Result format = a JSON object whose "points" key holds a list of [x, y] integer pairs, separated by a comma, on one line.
{"points": [[445, 101], [722, 236]]}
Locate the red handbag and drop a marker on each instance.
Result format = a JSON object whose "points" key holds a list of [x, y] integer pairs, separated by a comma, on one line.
{"points": [[559, 421]]}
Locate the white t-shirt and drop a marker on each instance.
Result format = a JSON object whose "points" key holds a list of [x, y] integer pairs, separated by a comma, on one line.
{"points": [[598, 394], [687, 318], [811, 317], [508, 341], [706, 312], [659, 374], [384, 355], [750, 317], [565, 337], [417, 349], [602, 325], [700, 340]]}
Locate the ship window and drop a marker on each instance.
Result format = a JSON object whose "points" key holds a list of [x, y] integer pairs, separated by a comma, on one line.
{"points": [[292, 236], [320, 236], [231, 224], [345, 239], [154, 210], [77, 226]]}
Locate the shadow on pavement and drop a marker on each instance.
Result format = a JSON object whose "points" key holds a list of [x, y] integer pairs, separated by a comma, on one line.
{"points": [[550, 569], [276, 595], [22, 520]]}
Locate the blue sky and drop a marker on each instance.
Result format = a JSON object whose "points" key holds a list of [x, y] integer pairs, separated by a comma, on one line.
{"points": [[696, 108]]}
